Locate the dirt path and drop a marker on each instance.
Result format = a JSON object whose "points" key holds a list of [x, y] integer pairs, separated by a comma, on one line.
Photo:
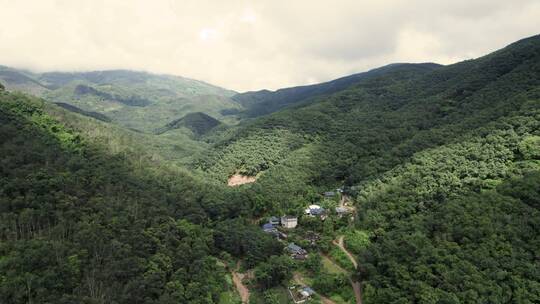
{"points": [[339, 243], [242, 289], [355, 284], [357, 288], [299, 280]]}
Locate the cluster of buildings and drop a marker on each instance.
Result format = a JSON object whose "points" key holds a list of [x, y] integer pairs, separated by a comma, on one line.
{"points": [[286, 221], [301, 294], [290, 221]]}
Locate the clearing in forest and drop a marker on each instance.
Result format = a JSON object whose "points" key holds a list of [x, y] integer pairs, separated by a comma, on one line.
{"points": [[239, 179]]}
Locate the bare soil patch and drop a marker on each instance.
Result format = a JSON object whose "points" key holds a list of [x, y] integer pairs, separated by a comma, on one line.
{"points": [[239, 179]]}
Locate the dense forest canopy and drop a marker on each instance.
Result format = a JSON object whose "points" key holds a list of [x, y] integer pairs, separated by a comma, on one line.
{"points": [[440, 163], [418, 148], [82, 224]]}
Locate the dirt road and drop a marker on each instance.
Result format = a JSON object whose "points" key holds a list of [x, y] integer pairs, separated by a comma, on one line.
{"points": [[357, 288], [355, 284], [242, 289], [339, 243]]}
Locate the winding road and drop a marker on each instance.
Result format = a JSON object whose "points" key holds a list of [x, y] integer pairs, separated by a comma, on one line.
{"points": [[355, 284], [339, 243], [357, 287]]}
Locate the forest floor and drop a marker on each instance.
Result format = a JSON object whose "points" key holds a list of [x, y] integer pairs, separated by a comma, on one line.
{"points": [[238, 179], [242, 289]]}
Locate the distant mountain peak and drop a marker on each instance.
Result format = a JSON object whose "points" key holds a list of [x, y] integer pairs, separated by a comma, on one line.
{"points": [[199, 123]]}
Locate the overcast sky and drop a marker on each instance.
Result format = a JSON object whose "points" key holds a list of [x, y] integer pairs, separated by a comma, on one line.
{"points": [[248, 45]]}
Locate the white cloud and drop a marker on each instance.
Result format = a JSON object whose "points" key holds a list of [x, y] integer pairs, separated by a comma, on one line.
{"points": [[207, 34], [243, 45]]}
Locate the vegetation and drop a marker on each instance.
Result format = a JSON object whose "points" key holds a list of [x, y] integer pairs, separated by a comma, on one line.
{"points": [[252, 154], [356, 240], [442, 163], [274, 272], [341, 259], [265, 102], [74, 109], [435, 160], [80, 223], [197, 123], [135, 100]]}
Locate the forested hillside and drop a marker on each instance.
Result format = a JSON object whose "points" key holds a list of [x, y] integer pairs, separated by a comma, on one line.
{"points": [[444, 165], [197, 123], [83, 223], [137, 100], [265, 102], [439, 165]]}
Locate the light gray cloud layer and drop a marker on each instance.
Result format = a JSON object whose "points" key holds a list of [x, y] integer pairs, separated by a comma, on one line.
{"points": [[246, 45]]}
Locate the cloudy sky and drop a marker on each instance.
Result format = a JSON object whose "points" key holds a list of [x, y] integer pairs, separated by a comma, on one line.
{"points": [[247, 45]]}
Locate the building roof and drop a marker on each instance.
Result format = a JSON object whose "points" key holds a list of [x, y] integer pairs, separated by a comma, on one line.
{"points": [[288, 217], [314, 210], [342, 210], [267, 226], [318, 211], [274, 219], [295, 248], [308, 290]]}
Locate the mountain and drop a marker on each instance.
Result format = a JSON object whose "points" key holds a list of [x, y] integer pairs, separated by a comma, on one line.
{"points": [[87, 221], [198, 123], [265, 102], [136, 100], [438, 167], [21, 81], [74, 109], [443, 164]]}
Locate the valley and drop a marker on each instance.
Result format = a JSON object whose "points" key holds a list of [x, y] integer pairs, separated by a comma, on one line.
{"points": [[409, 183]]}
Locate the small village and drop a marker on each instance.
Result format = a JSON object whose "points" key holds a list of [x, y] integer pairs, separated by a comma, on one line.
{"points": [[300, 238]]}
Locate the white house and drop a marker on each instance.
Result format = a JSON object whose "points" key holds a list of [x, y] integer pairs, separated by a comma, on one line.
{"points": [[289, 221]]}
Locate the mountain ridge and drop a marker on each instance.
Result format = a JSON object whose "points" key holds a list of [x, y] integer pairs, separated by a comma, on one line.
{"points": [[265, 101], [134, 99], [438, 168]]}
